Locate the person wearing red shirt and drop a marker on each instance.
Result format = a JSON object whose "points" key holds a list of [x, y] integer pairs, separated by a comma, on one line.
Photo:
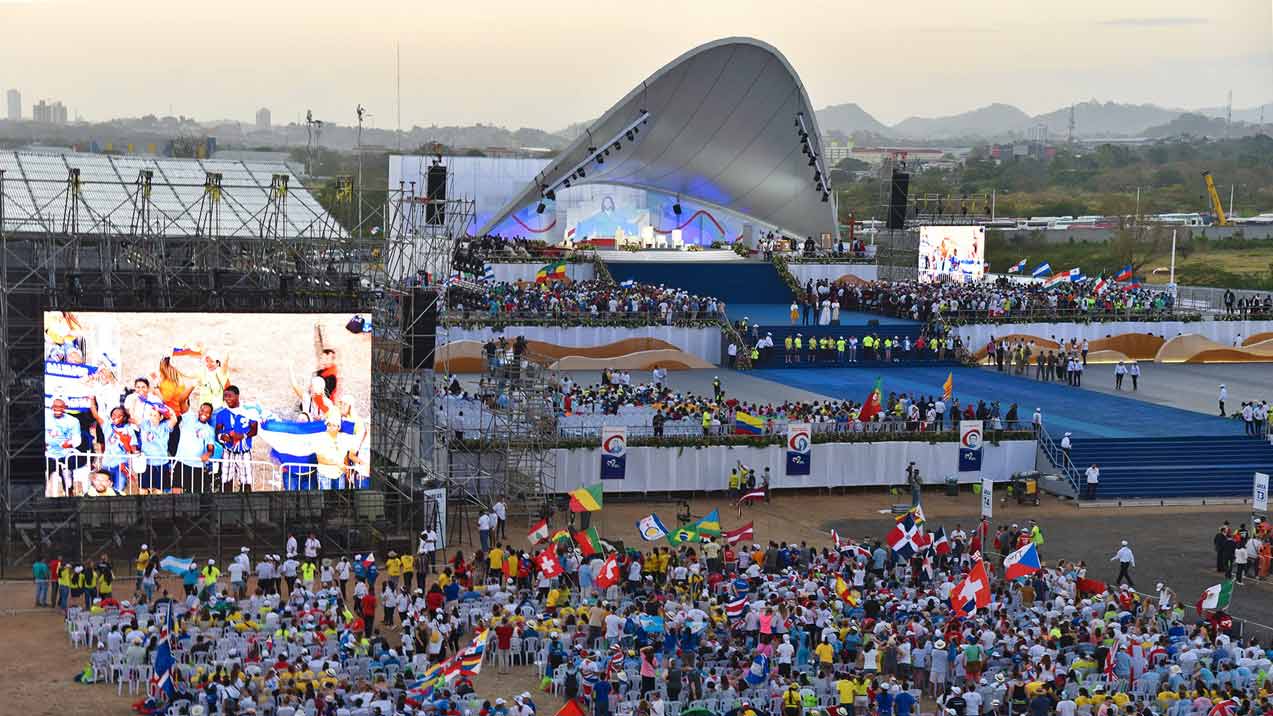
{"points": [[368, 613], [503, 645]]}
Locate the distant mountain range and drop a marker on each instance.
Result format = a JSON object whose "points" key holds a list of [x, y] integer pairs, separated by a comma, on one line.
{"points": [[1003, 121]]}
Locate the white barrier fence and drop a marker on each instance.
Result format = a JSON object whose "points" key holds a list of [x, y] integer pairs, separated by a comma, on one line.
{"points": [[655, 469], [79, 474]]}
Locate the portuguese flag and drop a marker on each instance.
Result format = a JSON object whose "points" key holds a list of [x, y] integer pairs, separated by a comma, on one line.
{"points": [[588, 541], [554, 271], [872, 406], [586, 499]]}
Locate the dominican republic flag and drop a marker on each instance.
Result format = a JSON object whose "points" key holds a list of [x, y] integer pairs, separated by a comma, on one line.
{"points": [[736, 608], [1124, 274], [973, 592], [176, 565], [1022, 562], [904, 538], [941, 544], [1018, 267], [1216, 597], [1043, 269], [538, 533]]}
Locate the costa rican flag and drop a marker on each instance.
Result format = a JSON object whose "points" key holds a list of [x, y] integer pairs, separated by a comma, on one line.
{"points": [[1124, 274], [736, 608]]}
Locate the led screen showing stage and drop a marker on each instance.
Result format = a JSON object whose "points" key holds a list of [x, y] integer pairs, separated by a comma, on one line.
{"points": [[956, 252], [153, 403]]}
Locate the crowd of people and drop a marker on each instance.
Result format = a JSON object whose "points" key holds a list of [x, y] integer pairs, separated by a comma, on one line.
{"points": [[582, 299], [718, 413], [737, 626], [982, 301]]}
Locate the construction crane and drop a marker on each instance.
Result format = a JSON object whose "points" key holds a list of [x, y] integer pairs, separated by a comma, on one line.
{"points": [[1216, 206]]}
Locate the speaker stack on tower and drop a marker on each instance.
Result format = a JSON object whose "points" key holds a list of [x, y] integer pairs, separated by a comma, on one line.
{"points": [[420, 330], [897, 200], [435, 193]]}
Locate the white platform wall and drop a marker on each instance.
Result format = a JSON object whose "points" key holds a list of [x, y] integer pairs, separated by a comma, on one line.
{"points": [[1222, 332], [833, 465], [702, 342], [817, 272]]}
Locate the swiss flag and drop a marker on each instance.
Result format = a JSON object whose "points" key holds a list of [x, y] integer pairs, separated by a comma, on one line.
{"points": [[609, 575], [548, 564], [973, 592]]}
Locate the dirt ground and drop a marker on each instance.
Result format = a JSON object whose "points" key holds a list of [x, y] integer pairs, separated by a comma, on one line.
{"points": [[37, 661]]}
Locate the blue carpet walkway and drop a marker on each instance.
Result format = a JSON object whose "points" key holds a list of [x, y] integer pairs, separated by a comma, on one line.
{"points": [[1086, 413]]}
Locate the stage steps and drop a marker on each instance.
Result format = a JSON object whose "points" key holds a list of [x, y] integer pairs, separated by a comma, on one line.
{"points": [[1194, 466], [733, 282]]}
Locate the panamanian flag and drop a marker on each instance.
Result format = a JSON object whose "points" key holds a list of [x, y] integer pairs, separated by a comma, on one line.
{"points": [[1018, 267]]}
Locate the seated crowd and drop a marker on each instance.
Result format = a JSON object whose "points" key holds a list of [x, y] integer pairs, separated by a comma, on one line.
{"points": [[595, 299], [713, 626], [981, 301]]}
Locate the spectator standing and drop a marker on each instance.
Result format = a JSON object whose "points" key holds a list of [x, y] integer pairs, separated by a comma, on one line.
{"points": [[1126, 560]]}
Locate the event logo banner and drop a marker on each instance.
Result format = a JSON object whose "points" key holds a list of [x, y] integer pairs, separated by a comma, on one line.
{"points": [[970, 446], [799, 448], [614, 453]]}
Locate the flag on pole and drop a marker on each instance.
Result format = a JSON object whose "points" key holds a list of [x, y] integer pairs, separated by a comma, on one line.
{"points": [[682, 535], [835, 539], [1043, 269], [538, 533], [1022, 562], [1018, 267], [748, 424], [844, 591], [609, 575], [488, 274], [709, 524], [1101, 285], [651, 528], [1124, 274], [589, 542], [570, 708], [746, 532], [735, 609], [554, 271], [1056, 279], [561, 535], [941, 543], [548, 564], [176, 565], [161, 671], [948, 388], [586, 499], [1131, 286], [752, 496], [872, 406], [1216, 596], [973, 592]]}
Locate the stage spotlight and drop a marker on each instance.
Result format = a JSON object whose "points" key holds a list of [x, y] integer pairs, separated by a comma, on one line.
{"points": [[606, 152], [581, 174], [540, 208], [601, 159], [804, 136], [813, 161], [566, 184], [628, 134], [825, 197], [676, 208], [551, 195], [617, 146]]}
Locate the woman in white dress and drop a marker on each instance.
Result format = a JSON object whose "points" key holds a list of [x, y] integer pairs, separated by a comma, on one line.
{"points": [[824, 318]]}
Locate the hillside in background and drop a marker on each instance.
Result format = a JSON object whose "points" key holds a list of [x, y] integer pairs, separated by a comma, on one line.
{"points": [[849, 118]]}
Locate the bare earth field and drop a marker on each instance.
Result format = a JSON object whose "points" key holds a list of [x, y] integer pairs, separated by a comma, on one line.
{"points": [[1173, 544]]}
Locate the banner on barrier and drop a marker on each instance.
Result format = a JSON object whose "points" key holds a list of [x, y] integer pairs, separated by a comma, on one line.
{"points": [[799, 448], [987, 498], [614, 452], [970, 446], [1260, 497]]}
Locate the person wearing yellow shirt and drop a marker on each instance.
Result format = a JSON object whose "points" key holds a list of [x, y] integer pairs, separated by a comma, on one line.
{"points": [[393, 569], [444, 578], [408, 570], [825, 653], [143, 559], [494, 561], [550, 603]]}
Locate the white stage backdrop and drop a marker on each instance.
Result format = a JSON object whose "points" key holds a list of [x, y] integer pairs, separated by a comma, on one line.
{"points": [[1222, 332], [513, 273], [817, 272], [651, 469], [702, 342]]}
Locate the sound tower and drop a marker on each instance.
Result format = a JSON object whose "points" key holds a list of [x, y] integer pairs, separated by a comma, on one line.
{"points": [[435, 192], [420, 330], [897, 200]]}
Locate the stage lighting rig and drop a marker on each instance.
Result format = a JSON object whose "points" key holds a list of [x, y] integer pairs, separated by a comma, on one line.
{"points": [[599, 155]]}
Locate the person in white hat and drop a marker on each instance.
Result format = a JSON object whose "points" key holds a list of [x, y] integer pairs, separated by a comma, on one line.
{"points": [[1126, 560]]}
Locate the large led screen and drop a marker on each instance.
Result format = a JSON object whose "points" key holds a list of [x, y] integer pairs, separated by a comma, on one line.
{"points": [[956, 252], [154, 403]]}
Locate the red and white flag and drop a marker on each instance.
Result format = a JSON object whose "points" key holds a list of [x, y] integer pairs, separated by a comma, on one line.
{"points": [[548, 564], [609, 575], [538, 533], [734, 536], [973, 592]]}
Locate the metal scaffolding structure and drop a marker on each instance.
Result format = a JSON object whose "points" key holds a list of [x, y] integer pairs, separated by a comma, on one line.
{"points": [[84, 232]]}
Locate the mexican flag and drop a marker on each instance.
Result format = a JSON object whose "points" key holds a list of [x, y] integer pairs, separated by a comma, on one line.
{"points": [[1216, 597], [872, 406]]}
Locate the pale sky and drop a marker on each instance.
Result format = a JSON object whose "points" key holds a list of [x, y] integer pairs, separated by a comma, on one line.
{"points": [[546, 64]]}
